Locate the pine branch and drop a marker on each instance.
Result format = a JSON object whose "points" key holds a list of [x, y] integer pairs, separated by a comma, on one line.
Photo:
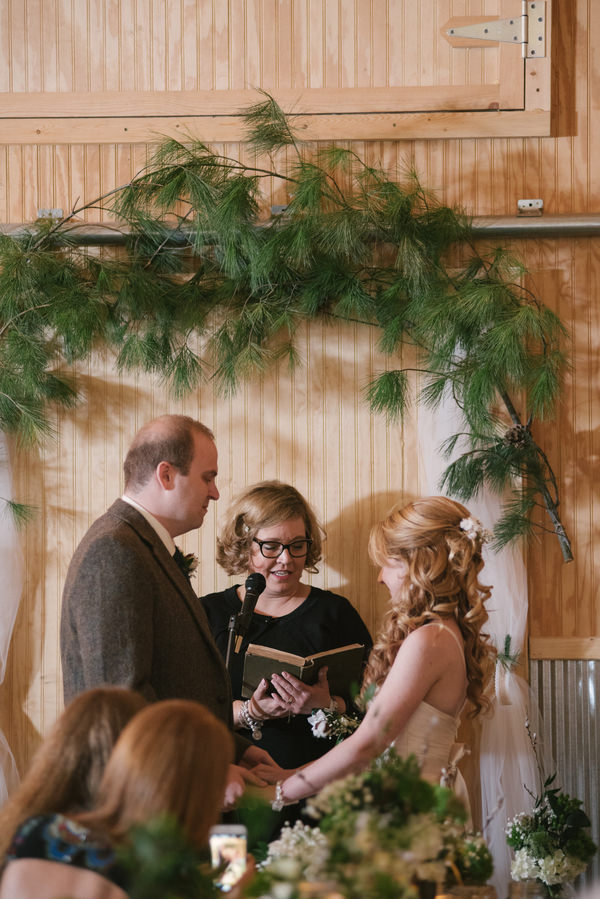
{"points": [[356, 244]]}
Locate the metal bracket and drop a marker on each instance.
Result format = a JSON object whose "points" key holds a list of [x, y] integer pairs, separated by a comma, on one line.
{"points": [[528, 29]]}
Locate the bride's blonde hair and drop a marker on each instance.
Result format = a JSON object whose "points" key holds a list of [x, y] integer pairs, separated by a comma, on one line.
{"points": [[441, 545]]}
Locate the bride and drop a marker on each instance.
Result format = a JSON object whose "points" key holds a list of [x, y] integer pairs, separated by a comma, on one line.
{"points": [[431, 657]]}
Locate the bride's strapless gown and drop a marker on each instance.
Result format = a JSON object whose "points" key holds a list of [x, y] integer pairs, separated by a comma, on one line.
{"points": [[430, 735]]}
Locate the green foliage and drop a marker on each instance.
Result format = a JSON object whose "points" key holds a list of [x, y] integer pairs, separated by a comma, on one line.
{"points": [[355, 243], [162, 865]]}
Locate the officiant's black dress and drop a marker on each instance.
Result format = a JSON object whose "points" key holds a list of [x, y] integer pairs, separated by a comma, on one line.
{"points": [[324, 621]]}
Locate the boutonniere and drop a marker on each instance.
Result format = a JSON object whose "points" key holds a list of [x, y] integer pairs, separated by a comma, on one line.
{"points": [[188, 562]]}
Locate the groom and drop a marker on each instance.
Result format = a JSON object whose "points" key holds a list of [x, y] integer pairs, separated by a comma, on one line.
{"points": [[129, 614]]}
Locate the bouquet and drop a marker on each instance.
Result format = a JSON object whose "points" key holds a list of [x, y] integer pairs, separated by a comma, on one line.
{"points": [[552, 845]]}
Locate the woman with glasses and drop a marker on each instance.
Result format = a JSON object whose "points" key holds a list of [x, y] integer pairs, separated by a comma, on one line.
{"points": [[271, 529]]}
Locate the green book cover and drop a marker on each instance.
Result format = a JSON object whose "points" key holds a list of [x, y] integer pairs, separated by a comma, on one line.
{"points": [[344, 667]]}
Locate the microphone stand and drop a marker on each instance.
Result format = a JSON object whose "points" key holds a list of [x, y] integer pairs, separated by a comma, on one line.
{"points": [[231, 630]]}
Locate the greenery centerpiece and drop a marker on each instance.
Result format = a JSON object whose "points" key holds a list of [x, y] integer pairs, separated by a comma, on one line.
{"points": [[205, 258], [552, 845], [380, 834]]}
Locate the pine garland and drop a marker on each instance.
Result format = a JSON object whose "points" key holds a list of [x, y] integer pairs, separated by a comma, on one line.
{"points": [[353, 244]]}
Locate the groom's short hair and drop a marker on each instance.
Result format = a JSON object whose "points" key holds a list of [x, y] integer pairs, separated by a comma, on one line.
{"points": [[168, 438]]}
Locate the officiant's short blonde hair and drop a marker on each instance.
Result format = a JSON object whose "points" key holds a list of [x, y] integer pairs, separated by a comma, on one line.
{"points": [[264, 505]]}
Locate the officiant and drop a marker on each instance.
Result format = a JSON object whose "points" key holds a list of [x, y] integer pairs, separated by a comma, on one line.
{"points": [[271, 529]]}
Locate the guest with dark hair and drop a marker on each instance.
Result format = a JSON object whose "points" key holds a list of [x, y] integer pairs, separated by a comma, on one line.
{"points": [[67, 768]]}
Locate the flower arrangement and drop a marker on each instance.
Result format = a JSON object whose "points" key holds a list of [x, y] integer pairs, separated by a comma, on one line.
{"points": [[552, 845], [378, 834], [333, 725], [469, 860]]}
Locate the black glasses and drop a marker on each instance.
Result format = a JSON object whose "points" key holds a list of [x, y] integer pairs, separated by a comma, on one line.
{"points": [[272, 549]]}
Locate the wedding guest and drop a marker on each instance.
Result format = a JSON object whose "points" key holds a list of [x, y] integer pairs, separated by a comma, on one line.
{"points": [[130, 615], [66, 770], [431, 655], [171, 760], [271, 529]]}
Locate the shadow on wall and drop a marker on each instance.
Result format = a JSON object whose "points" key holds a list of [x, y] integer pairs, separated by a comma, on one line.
{"points": [[346, 552]]}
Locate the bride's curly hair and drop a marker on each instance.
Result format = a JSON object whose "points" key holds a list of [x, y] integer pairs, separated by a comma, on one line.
{"points": [[444, 561]]}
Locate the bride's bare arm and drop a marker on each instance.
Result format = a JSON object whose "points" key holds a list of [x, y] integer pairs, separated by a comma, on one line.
{"points": [[424, 657]]}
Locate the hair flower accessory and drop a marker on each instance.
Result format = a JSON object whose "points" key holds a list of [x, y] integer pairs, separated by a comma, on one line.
{"points": [[475, 530]]}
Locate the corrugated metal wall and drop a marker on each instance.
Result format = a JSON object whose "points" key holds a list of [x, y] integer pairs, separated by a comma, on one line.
{"points": [[567, 692]]}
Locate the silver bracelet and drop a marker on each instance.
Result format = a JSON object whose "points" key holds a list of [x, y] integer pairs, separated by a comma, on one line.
{"points": [[279, 802], [249, 722]]}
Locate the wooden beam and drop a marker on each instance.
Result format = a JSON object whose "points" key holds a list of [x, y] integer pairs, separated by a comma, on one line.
{"points": [[300, 101], [217, 128], [564, 647]]}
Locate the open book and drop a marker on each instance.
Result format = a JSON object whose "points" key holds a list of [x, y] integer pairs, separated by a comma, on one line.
{"points": [[344, 667]]}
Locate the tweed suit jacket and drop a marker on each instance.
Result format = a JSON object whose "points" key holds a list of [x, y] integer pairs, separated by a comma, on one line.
{"points": [[130, 617]]}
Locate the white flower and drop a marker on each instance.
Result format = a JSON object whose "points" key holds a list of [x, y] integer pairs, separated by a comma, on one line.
{"points": [[319, 723], [523, 867], [301, 850]]}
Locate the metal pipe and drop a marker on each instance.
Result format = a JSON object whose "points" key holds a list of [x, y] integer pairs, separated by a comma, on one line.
{"points": [[490, 226]]}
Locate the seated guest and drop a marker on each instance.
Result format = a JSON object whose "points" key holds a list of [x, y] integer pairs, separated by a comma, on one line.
{"points": [[170, 761], [271, 529], [66, 770], [432, 654]]}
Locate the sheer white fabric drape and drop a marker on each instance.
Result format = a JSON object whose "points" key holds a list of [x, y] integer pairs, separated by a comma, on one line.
{"points": [[507, 761], [11, 567]]}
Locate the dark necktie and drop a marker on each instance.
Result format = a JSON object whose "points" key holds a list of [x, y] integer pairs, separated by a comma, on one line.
{"points": [[179, 558]]}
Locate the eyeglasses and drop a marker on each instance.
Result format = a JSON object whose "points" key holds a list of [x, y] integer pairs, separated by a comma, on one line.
{"points": [[272, 549]]}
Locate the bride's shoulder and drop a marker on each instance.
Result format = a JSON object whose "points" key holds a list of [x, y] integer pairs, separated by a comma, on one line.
{"points": [[431, 634]]}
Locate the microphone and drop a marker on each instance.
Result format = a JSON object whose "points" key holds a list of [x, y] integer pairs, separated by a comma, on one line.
{"points": [[255, 584]]}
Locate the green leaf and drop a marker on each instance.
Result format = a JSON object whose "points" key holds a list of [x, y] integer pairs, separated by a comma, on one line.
{"points": [[388, 393]]}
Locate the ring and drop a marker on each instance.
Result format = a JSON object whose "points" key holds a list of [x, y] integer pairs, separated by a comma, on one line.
{"points": [[290, 700]]}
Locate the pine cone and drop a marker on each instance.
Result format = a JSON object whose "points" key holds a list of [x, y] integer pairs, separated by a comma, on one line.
{"points": [[517, 436]]}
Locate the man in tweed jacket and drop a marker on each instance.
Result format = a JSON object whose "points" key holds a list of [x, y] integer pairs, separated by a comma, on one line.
{"points": [[129, 613]]}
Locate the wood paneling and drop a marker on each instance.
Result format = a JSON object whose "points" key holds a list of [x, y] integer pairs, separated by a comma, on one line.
{"points": [[371, 68], [310, 427]]}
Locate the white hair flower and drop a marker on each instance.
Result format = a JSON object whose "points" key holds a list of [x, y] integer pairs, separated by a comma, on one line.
{"points": [[475, 530]]}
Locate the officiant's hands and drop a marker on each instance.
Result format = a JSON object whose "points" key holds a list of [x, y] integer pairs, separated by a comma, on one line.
{"points": [[289, 696]]}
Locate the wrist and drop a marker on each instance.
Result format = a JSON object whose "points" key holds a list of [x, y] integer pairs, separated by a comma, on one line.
{"points": [[336, 704], [247, 720], [279, 801], [255, 710]]}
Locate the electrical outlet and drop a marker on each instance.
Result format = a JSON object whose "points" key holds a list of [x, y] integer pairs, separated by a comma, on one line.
{"points": [[530, 207]]}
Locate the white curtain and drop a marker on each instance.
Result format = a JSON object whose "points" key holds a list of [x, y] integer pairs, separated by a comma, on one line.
{"points": [[507, 761], [11, 567]]}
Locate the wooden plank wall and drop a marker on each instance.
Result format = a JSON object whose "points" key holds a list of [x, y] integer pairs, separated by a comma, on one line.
{"points": [[311, 428]]}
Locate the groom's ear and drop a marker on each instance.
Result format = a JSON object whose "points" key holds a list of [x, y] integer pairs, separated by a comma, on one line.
{"points": [[165, 475]]}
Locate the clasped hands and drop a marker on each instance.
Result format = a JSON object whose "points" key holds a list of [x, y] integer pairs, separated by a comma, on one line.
{"points": [[286, 696], [289, 696]]}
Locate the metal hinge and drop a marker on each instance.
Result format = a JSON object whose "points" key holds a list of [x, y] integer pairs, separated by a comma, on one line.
{"points": [[528, 29]]}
